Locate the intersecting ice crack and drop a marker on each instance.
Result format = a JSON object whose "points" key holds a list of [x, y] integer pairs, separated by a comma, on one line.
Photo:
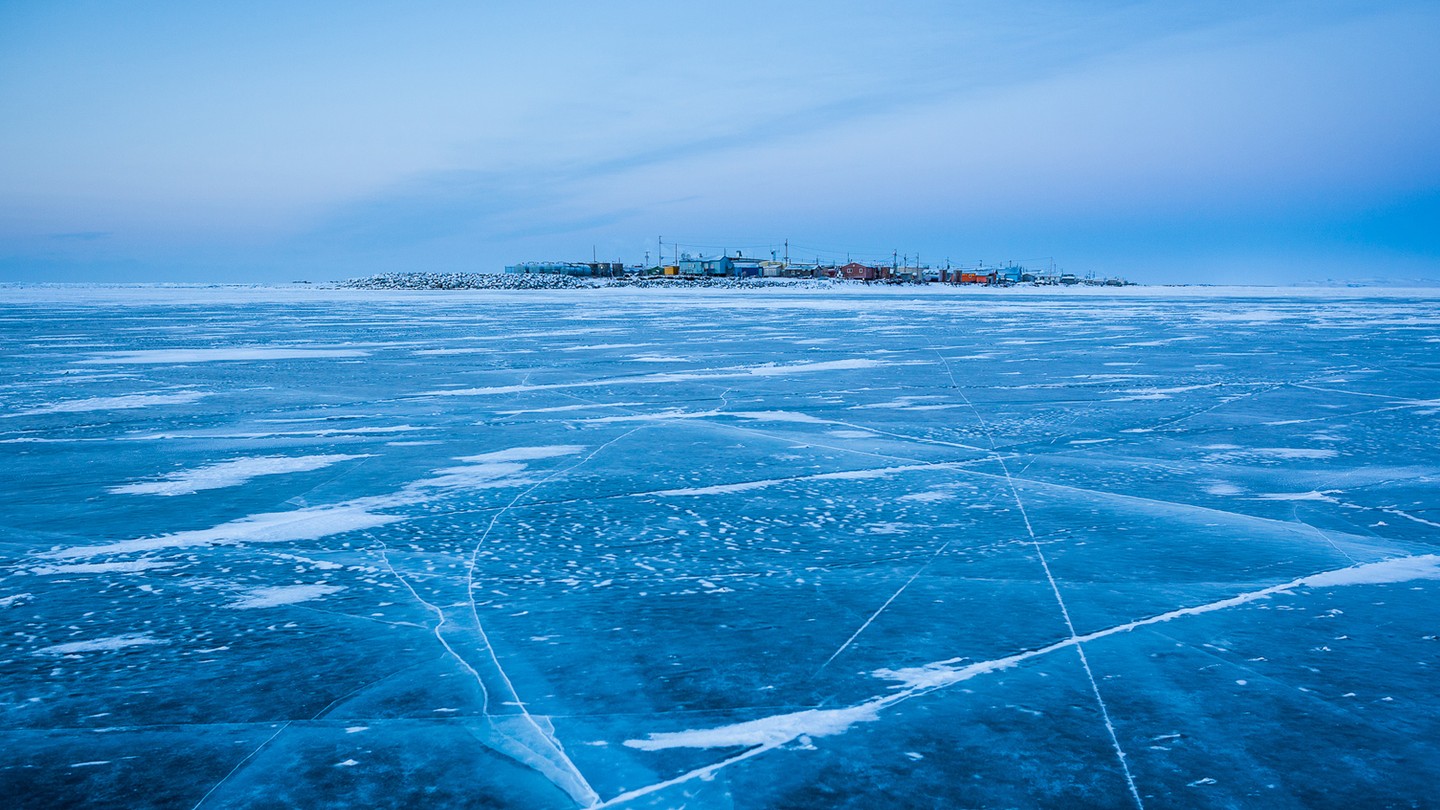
{"points": [[521, 737], [1054, 588], [775, 731]]}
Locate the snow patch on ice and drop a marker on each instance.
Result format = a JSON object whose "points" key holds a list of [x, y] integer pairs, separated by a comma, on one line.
{"points": [[777, 416], [737, 372], [283, 595], [130, 567], [269, 527], [1402, 569], [1231, 451], [150, 356], [467, 350], [1223, 489], [944, 673], [844, 475], [1294, 452], [120, 403], [565, 408], [524, 454], [102, 644], [767, 731], [855, 475], [1139, 398], [1296, 496], [230, 473], [717, 489]]}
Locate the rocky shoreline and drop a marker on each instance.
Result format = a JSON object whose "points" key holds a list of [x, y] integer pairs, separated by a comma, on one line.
{"points": [[547, 281]]}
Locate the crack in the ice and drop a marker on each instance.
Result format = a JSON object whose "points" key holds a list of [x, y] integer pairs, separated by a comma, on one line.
{"points": [[1295, 511], [368, 686], [241, 764], [573, 781], [575, 792], [881, 609], [702, 772], [1054, 587]]}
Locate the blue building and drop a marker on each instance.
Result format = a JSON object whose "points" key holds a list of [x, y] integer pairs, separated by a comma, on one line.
{"points": [[701, 266], [732, 266]]}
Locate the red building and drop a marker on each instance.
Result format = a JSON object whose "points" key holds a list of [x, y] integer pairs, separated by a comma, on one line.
{"points": [[861, 272]]}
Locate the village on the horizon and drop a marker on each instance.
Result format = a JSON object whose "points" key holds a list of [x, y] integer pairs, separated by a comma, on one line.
{"points": [[900, 269]]}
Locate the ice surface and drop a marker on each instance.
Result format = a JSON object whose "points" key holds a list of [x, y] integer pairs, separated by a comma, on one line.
{"points": [[733, 550]]}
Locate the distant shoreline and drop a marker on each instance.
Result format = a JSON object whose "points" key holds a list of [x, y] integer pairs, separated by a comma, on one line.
{"points": [[200, 292]]}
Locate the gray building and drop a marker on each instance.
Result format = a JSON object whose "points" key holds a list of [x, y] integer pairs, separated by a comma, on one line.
{"points": [[568, 268]]}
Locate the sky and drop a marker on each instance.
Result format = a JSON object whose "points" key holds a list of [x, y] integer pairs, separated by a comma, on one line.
{"points": [[1164, 142]]}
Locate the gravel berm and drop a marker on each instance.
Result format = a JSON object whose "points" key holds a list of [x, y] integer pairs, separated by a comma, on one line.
{"points": [[547, 281]]}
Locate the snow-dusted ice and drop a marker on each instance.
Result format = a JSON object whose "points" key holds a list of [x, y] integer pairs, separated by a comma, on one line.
{"points": [[719, 550]]}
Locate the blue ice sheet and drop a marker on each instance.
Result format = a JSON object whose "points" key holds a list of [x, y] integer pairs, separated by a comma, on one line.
{"points": [[729, 550]]}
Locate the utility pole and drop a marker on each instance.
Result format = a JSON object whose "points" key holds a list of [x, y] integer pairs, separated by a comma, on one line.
{"points": [[894, 262], [787, 253], [659, 250]]}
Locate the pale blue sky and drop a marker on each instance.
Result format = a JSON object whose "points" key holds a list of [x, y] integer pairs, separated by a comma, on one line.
{"points": [[1164, 141]]}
